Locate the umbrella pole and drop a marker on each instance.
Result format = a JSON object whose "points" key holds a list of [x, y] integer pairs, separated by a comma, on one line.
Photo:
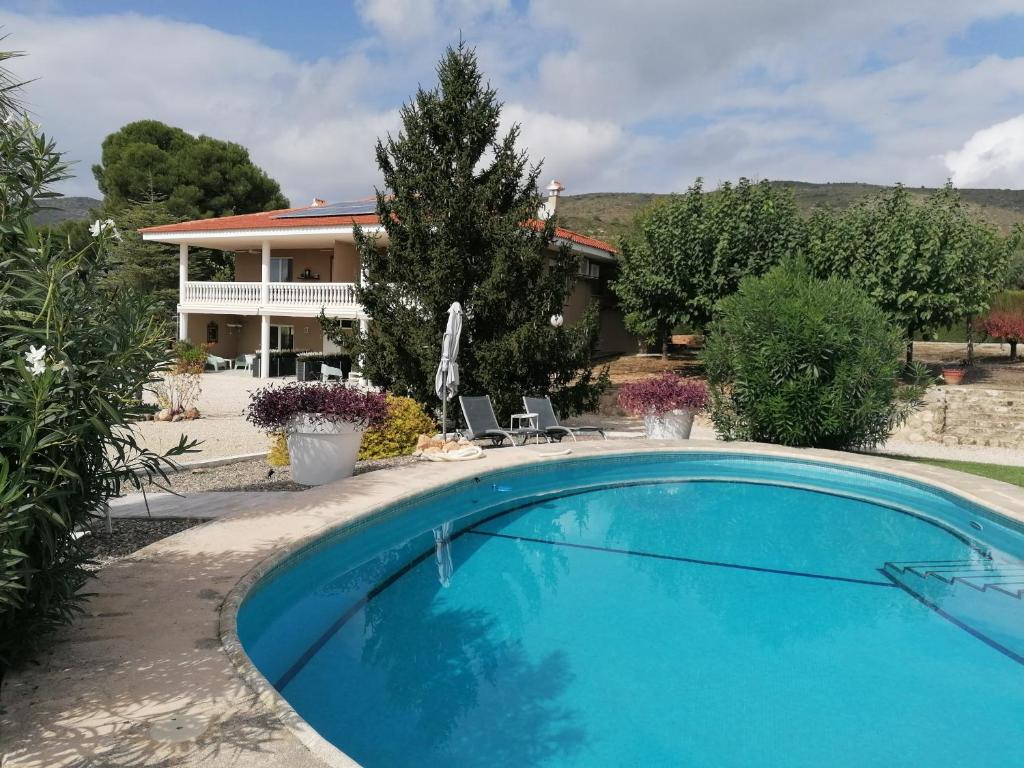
{"points": [[444, 408]]}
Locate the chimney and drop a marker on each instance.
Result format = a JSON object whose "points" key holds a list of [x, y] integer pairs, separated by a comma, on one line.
{"points": [[317, 203], [547, 210]]}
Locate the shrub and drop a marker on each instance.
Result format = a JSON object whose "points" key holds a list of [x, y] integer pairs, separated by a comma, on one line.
{"points": [[177, 392], [662, 394], [1007, 326], [272, 408], [397, 436], [189, 358], [73, 360], [277, 456], [801, 361]]}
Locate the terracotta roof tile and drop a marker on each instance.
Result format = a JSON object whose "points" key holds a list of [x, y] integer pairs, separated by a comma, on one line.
{"points": [[271, 220]]}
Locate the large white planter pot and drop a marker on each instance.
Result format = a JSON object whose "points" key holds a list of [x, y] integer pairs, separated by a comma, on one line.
{"points": [[321, 453], [674, 425]]}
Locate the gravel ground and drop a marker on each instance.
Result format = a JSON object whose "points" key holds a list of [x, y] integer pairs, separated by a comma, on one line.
{"points": [[127, 536]]}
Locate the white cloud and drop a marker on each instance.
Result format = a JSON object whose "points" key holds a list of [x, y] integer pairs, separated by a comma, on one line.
{"points": [[992, 157], [644, 100]]}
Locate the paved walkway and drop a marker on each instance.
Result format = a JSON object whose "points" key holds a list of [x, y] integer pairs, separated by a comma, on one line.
{"points": [[207, 505]]}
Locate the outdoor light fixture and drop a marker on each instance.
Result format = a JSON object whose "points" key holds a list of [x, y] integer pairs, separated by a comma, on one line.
{"points": [[557, 321]]}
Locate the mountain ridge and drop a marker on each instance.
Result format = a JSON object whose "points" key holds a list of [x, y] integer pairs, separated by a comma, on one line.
{"points": [[607, 215]]}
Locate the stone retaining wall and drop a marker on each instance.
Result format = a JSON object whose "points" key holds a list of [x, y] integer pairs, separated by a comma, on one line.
{"points": [[968, 416]]}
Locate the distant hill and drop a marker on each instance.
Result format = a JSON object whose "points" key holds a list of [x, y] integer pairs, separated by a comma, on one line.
{"points": [[65, 209], [607, 215]]}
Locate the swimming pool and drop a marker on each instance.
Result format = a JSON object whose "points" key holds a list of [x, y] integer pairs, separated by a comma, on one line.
{"points": [[697, 609]]}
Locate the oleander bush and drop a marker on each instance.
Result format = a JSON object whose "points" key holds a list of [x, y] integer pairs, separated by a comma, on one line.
{"points": [[796, 360], [406, 421], [73, 360]]}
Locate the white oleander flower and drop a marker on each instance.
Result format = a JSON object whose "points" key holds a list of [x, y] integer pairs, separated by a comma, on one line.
{"points": [[35, 361], [98, 227]]}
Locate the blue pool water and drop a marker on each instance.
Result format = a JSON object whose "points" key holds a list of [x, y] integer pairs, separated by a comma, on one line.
{"points": [[658, 610]]}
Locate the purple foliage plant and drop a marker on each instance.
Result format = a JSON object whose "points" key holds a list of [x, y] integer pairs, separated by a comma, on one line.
{"points": [[273, 408], [663, 394]]}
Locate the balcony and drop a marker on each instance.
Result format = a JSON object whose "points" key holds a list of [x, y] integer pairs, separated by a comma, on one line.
{"points": [[306, 299]]}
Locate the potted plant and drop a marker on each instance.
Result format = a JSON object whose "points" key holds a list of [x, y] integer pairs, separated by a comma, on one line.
{"points": [[324, 424], [953, 374], [667, 403]]}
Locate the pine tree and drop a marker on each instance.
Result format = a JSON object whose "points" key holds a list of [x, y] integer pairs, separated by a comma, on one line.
{"points": [[458, 209]]}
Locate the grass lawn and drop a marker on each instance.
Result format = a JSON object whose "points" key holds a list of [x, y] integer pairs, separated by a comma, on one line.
{"points": [[1008, 474]]}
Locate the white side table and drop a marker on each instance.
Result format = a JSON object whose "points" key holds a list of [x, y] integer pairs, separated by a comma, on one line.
{"points": [[516, 422]]}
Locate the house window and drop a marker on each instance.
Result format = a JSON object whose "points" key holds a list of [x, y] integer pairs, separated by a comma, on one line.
{"points": [[282, 337], [280, 269], [212, 333], [589, 269]]}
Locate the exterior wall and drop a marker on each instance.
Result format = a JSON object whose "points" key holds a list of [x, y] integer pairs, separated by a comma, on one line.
{"points": [[227, 338], [346, 263], [307, 333], [613, 338], [248, 264]]}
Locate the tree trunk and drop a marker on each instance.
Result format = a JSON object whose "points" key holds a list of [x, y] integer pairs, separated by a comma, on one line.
{"points": [[910, 352], [664, 347], [970, 341], [1013, 351]]}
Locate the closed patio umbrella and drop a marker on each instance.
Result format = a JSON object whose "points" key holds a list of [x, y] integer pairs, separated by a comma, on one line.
{"points": [[446, 381]]}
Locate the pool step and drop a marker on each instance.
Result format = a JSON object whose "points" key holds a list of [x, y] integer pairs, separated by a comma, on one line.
{"points": [[979, 575], [982, 597]]}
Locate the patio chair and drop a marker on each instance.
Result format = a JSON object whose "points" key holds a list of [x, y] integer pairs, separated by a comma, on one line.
{"points": [[482, 424], [548, 421], [244, 362], [326, 371], [218, 362]]}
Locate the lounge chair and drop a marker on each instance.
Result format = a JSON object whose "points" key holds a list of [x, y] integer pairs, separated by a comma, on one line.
{"points": [[217, 362], [326, 371], [481, 423], [548, 421]]}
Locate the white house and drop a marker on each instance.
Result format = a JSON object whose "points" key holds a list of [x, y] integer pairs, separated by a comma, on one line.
{"points": [[291, 263]]}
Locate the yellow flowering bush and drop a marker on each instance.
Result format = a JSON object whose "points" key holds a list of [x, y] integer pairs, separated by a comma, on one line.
{"points": [[397, 436], [277, 456]]}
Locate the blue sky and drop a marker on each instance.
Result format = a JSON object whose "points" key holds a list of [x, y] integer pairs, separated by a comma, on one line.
{"points": [[612, 96]]}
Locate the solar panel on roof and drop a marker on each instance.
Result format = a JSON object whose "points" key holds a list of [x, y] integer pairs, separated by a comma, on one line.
{"points": [[351, 208]]}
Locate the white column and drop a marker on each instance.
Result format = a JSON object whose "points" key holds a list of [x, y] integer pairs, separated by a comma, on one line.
{"points": [[265, 274], [265, 347], [182, 288]]}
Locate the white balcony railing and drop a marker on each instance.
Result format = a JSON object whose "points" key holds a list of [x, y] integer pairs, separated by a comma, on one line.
{"points": [[319, 294], [248, 296]]}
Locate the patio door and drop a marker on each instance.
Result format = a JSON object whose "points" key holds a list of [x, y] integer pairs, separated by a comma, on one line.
{"points": [[282, 337], [280, 269]]}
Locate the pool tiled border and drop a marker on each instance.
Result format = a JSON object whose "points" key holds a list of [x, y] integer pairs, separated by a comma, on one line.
{"points": [[69, 712]]}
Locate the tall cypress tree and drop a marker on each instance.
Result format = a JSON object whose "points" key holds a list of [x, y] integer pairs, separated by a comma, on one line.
{"points": [[458, 207]]}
